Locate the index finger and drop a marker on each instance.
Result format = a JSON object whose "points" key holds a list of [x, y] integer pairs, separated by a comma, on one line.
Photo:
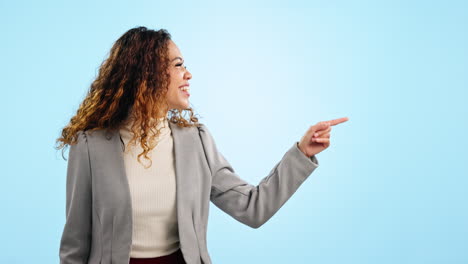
{"points": [[337, 121]]}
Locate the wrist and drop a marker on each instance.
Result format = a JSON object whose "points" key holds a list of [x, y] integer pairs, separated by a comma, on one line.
{"points": [[297, 143]]}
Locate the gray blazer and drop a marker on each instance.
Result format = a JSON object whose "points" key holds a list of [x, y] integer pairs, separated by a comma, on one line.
{"points": [[98, 226]]}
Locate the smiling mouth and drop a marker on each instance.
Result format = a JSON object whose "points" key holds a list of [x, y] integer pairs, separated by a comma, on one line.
{"points": [[185, 90], [186, 93]]}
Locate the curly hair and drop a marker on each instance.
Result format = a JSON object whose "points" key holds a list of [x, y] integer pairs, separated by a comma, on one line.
{"points": [[132, 82]]}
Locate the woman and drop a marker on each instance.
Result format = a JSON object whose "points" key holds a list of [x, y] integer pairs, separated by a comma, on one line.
{"points": [[121, 209]]}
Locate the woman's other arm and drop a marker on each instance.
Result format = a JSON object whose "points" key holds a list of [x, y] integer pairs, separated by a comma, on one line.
{"points": [[76, 237]]}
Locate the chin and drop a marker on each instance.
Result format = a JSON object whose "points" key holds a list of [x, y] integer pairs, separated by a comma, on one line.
{"points": [[182, 107], [185, 105]]}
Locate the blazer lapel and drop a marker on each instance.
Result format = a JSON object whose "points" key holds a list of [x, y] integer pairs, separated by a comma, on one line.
{"points": [[185, 163]]}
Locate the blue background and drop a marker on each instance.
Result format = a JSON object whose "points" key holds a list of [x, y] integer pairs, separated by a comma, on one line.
{"points": [[391, 188]]}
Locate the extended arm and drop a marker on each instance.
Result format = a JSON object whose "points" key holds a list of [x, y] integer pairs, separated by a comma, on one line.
{"points": [[249, 204]]}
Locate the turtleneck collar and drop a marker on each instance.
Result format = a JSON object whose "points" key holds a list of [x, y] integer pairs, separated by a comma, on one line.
{"points": [[162, 124]]}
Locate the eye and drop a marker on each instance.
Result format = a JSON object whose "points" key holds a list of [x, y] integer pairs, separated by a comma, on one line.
{"points": [[180, 64]]}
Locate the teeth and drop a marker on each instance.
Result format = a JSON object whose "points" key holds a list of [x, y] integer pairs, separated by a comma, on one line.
{"points": [[185, 88]]}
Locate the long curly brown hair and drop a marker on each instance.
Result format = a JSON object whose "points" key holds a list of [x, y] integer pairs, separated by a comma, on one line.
{"points": [[132, 83]]}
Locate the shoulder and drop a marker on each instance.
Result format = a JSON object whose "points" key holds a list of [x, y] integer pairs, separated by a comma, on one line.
{"points": [[202, 127], [81, 138], [79, 149], [97, 134], [203, 131], [206, 137], [187, 130], [87, 138]]}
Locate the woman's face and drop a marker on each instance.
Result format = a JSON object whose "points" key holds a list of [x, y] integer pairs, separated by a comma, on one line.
{"points": [[179, 76]]}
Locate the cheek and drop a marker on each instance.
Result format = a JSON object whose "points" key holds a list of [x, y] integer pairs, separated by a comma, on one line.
{"points": [[173, 92]]}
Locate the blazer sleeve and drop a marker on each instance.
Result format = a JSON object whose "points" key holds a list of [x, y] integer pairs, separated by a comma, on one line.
{"points": [[76, 237], [249, 204]]}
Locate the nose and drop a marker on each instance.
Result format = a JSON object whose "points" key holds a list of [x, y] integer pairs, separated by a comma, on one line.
{"points": [[187, 75]]}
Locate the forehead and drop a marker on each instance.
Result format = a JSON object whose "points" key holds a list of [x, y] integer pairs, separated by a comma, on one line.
{"points": [[174, 51]]}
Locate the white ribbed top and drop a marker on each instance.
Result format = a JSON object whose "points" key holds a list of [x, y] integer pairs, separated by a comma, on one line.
{"points": [[153, 195]]}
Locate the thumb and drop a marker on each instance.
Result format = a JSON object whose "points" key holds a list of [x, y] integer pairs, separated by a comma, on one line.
{"points": [[320, 126]]}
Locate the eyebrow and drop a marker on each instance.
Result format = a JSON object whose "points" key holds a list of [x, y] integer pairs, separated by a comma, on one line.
{"points": [[177, 58]]}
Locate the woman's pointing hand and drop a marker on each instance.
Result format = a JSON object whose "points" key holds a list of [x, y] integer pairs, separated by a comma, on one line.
{"points": [[317, 138]]}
